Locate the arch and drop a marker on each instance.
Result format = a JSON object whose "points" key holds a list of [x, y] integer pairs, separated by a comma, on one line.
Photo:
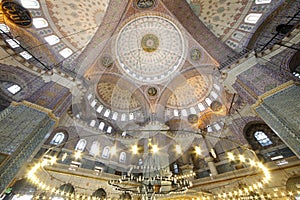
{"points": [[260, 136], [58, 138], [67, 188], [292, 184], [100, 194], [81, 145], [23, 186], [106, 152], [125, 196]]}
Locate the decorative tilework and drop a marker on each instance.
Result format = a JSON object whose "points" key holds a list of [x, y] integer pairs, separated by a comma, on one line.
{"points": [[23, 129]]}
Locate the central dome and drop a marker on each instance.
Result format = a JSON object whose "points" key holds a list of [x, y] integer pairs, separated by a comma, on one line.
{"points": [[150, 49]]}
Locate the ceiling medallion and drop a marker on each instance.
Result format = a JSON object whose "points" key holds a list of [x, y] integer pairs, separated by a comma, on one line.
{"points": [[193, 118], [16, 13], [152, 91], [150, 43], [195, 54], [216, 106], [150, 49], [143, 4], [106, 61]]}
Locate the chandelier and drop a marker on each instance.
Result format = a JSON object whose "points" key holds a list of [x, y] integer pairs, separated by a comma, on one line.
{"points": [[152, 181]]}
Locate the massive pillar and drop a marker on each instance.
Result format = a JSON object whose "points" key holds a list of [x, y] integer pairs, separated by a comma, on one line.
{"points": [[280, 109], [23, 126]]}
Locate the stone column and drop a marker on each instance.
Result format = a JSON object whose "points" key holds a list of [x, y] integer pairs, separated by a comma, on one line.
{"points": [[211, 166]]}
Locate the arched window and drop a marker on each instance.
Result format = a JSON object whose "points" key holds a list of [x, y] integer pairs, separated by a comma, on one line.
{"points": [[100, 194], [26, 55], [122, 158], [94, 151], [262, 138], [81, 145], [93, 123], [109, 129], [208, 101], [176, 170], [39, 22], [14, 89], [252, 18], [31, 4], [52, 39], [58, 138], [105, 153], [13, 43], [4, 28], [140, 162], [101, 125], [66, 52]]}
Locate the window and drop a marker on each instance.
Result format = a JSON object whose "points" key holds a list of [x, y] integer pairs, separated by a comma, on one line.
{"points": [[208, 101], [176, 113], [193, 110], [58, 138], [109, 129], [4, 28], [33, 4], [201, 107], [39, 22], [52, 39], [252, 18], [99, 109], [131, 116], [66, 52], [14, 89], [101, 125], [106, 113], [123, 117], [13, 43], [122, 158], [105, 153], [262, 1], [93, 104], [176, 171], [296, 72], [26, 55], [115, 116], [81, 145], [217, 87], [140, 162], [262, 138], [93, 123], [95, 148], [214, 95]]}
